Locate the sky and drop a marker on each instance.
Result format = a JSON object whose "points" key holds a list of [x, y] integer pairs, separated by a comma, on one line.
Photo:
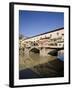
{"points": [[32, 23]]}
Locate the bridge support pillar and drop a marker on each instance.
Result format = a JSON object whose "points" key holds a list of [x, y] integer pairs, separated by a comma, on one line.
{"points": [[43, 52]]}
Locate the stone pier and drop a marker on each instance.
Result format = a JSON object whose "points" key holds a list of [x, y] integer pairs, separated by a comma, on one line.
{"points": [[42, 51]]}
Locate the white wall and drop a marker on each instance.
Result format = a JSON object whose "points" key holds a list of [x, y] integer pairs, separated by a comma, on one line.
{"points": [[4, 44]]}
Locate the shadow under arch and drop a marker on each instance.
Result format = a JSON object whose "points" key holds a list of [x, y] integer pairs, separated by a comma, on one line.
{"points": [[35, 50]]}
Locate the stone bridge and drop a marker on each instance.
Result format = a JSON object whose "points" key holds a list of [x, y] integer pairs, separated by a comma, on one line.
{"points": [[43, 51], [44, 44]]}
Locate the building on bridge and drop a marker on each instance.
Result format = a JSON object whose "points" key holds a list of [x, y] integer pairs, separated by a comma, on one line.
{"points": [[53, 39]]}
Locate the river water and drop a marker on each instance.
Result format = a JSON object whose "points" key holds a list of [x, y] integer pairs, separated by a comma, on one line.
{"points": [[34, 65], [33, 59]]}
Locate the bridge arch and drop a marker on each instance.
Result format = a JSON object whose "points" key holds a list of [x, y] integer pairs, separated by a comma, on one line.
{"points": [[35, 50]]}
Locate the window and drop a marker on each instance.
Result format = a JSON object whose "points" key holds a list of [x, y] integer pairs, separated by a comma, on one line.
{"points": [[40, 37], [59, 44], [57, 33], [62, 34], [50, 35], [45, 36]]}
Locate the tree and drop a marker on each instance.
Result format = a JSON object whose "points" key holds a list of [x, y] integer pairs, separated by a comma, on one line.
{"points": [[21, 36]]}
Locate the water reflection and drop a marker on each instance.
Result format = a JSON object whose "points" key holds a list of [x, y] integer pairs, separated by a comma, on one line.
{"points": [[36, 66], [33, 59]]}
